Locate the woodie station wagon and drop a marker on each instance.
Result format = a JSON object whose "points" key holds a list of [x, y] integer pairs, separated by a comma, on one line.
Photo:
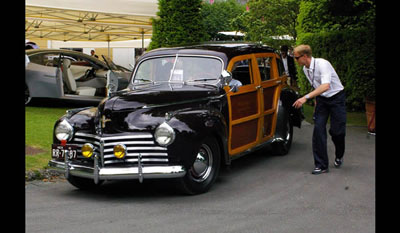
{"points": [[186, 112]]}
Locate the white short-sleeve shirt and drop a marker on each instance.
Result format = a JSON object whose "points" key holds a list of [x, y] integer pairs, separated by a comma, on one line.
{"points": [[320, 72]]}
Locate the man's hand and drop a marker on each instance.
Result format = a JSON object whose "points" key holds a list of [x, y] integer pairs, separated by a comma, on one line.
{"points": [[299, 102]]}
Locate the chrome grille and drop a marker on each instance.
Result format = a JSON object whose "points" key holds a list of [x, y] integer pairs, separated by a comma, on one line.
{"points": [[138, 145]]}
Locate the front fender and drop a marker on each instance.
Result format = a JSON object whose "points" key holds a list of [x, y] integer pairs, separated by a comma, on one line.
{"points": [[191, 128]]}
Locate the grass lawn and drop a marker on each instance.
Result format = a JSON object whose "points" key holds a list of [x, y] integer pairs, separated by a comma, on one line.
{"points": [[353, 118], [39, 123]]}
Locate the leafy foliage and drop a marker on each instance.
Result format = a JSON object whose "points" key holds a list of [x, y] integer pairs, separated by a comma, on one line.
{"points": [[179, 23], [269, 18], [219, 16]]}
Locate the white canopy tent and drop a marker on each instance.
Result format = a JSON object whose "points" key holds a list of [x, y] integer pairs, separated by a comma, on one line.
{"points": [[89, 20], [56, 44]]}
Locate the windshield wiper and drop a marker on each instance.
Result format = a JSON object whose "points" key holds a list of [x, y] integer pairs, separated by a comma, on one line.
{"points": [[199, 80], [141, 79]]}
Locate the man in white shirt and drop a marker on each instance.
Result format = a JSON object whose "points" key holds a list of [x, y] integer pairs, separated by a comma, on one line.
{"points": [[330, 101]]}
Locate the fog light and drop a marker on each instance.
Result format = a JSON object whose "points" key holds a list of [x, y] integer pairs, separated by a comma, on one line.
{"points": [[120, 151], [87, 150]]}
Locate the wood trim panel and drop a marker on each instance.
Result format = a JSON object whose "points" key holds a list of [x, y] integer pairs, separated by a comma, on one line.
{"points": [[244, 133], [244, 105]]}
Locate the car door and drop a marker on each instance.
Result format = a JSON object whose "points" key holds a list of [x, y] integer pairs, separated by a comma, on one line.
{"points": [[270, 88], [43, 76], [244, 105], [253, 109]]}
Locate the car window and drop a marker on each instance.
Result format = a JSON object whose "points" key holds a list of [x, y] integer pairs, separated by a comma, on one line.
{"points": [[241, 71], [50, 59], [179, 69], [264, 65], [37, 59]]}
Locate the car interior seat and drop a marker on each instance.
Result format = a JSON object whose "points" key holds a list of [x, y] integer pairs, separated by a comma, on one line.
{"points": [[71, 83]]}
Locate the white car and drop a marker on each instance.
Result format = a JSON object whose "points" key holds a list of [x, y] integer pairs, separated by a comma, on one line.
{"points": [[72, 75]]}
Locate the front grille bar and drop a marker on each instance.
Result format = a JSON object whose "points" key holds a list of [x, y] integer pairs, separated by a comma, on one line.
{"points": [[141, 149]]}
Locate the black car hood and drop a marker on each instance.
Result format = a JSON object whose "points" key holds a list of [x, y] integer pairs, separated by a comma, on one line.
{"points": [[161, 95], [144, 108]]}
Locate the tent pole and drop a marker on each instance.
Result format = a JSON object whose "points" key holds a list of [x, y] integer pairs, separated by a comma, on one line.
{"points": [[108, 51], [108, 46], [142, 41]]}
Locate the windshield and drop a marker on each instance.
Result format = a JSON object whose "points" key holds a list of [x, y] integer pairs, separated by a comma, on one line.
{"points": [[179, 69]]}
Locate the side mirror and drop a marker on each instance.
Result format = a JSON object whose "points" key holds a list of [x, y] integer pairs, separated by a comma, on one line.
{"points": [[226, 77], [227, 80]]}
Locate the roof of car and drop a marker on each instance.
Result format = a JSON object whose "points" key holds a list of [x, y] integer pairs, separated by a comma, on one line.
{"points": [[226, 51]]}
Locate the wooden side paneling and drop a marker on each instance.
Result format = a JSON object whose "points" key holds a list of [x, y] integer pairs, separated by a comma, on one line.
{"points": [[244, 105], [244, 133]]}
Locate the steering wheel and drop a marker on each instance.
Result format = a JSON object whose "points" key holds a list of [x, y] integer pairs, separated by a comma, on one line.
{"points": [[88, 73]]}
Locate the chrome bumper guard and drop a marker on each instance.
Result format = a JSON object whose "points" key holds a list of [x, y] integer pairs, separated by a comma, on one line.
{"points": [[96, 173]]}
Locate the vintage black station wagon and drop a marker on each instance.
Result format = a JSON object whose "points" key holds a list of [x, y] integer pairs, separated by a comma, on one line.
{"points": [[186, 112]]}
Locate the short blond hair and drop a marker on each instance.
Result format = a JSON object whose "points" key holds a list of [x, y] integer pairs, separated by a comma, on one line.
{"points": [[303, 49]]}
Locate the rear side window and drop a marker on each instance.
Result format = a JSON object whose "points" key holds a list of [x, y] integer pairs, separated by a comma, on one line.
{"points": [[264, 65], [241, 71]]}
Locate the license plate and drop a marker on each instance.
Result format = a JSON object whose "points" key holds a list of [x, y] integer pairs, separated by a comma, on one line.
{"points": [[59, 151]]}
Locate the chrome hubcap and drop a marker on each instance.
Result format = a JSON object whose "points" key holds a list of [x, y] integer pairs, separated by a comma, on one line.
{"points": [[202, 166]]}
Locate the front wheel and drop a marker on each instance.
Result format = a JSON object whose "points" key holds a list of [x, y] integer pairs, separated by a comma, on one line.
{"points": [[204, 171]]}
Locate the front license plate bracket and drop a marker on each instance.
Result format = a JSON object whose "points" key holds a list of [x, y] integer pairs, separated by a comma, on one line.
{"points": [[60, 151]]}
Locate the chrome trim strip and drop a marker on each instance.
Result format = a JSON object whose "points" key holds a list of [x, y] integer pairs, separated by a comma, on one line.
{"points": [[108, 156], [129, 143], [147, 172], [134, 136], [136, 160]]}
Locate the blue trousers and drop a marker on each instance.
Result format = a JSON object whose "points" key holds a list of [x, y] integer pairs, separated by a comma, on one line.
{"points": [[335, 107]]}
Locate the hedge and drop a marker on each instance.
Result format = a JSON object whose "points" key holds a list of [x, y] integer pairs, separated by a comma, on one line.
{"points": [[352, 54]]}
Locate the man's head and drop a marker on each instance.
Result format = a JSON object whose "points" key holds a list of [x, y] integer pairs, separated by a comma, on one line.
{"points": [[302, 54], [284, 51]]}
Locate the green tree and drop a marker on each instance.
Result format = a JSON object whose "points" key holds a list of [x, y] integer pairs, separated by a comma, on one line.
{"points": [[179, 23], [268, 18], [334, 15], [218, 16]]}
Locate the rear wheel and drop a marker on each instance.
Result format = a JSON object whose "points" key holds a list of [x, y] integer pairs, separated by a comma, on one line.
{"points": [[283, 142], [204, 171]]}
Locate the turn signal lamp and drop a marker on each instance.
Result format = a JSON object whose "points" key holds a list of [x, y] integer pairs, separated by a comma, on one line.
{"points": [[87, 150], [120, 151]]}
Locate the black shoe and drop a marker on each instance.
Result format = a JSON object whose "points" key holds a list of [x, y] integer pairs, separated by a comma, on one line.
{"points": [[338, 162], [318, 171]]}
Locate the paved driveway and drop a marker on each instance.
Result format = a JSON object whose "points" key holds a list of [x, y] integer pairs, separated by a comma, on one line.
{"points": [[258, 193]]}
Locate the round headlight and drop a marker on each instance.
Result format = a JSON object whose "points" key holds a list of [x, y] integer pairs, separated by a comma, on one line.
{"points": [[120, 151], [64, 130], [164, 134], [87, 150]]}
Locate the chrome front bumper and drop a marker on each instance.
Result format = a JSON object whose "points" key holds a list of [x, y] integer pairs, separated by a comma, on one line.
{"points": [[101, 173]]}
